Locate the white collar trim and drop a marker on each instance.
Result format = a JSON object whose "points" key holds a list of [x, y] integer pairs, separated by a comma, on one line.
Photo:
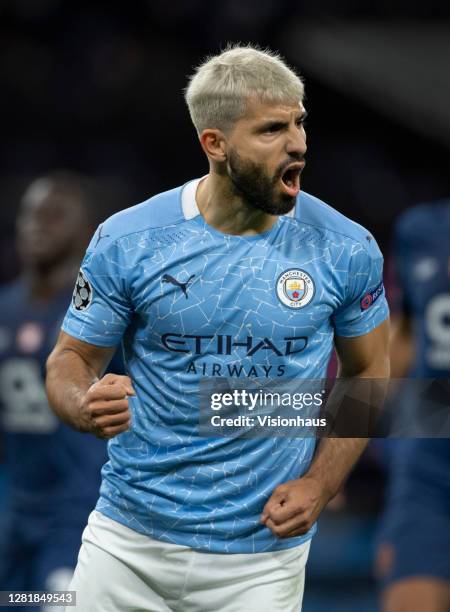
{"points": [[188, 200]]}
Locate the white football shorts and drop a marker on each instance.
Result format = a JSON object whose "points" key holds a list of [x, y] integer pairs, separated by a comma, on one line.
{"points": [[121, 570]]}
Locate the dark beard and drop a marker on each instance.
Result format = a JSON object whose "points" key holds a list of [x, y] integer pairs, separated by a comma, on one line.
{"points": [[254, 186]]}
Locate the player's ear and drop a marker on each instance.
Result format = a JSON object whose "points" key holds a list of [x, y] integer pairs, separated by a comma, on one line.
{"points": [[214, 144]]}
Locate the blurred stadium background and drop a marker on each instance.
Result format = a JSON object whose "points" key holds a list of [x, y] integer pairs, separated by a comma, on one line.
{"points": [[97, 87]]}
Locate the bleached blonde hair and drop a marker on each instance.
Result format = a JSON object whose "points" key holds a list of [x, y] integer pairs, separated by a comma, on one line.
{"points": [[220, 88]]}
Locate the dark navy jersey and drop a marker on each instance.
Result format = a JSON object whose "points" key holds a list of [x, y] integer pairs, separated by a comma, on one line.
{"points": [[422, 248], [426, 463], [54, 471], [419, 486]]}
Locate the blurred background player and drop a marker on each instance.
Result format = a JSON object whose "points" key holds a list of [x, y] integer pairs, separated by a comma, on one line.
{"points": [[414, 551], [53, 472]]}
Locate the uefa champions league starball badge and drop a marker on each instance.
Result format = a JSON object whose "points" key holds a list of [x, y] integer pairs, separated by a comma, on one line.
{"points": [[82, 294], [295, 288]]}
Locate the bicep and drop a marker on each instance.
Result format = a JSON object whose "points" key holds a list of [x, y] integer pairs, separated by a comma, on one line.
{"points": [[366, 355], [95, 357]]}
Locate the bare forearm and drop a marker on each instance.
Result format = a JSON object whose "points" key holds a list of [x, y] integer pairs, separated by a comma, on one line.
{"points": [[68, 379], [363, 376], [333, 461], [355, 402], [79, 393]]}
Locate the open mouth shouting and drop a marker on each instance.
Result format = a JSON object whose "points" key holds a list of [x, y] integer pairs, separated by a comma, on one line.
{"points": [[290, 179]]}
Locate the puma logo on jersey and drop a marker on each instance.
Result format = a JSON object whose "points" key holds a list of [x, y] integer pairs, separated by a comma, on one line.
{"points": [[173, 281]]}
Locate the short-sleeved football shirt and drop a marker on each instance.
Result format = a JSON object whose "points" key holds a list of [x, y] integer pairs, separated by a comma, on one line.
{"points": [[189, 302]]}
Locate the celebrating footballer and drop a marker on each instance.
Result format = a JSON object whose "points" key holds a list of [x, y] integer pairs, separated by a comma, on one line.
{"points": [[209, 279]]}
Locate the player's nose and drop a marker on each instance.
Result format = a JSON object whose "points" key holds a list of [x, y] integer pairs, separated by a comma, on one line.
{"points": [[296, 142]]}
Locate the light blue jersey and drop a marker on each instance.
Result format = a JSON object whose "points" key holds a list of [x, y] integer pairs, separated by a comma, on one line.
{"points": [[190, 302]]}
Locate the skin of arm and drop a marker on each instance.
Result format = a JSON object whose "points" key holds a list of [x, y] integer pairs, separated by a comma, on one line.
{"points": [[295, 505], [78, 393], [401, 345]]}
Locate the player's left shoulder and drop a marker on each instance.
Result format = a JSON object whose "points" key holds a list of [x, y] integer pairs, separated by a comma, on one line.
{"points": [[312, 211]]}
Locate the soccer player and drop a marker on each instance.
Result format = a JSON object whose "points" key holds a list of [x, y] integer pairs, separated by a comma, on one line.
{"points": [[414, 542], [237, 274], [54, 472]]}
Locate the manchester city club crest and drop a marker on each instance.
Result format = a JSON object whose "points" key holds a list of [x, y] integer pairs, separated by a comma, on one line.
{"points": [[82, 294], [295, 288]]}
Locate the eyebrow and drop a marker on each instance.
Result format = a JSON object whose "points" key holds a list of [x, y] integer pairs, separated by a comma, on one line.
{"points": [[280, 123]]}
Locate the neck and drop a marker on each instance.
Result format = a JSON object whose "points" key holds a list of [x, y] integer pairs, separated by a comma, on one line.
{"points": [[47, 281], [226, 211]]}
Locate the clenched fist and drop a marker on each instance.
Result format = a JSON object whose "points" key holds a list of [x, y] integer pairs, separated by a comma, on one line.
{"points": [[294, 507], [104, 407]]}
